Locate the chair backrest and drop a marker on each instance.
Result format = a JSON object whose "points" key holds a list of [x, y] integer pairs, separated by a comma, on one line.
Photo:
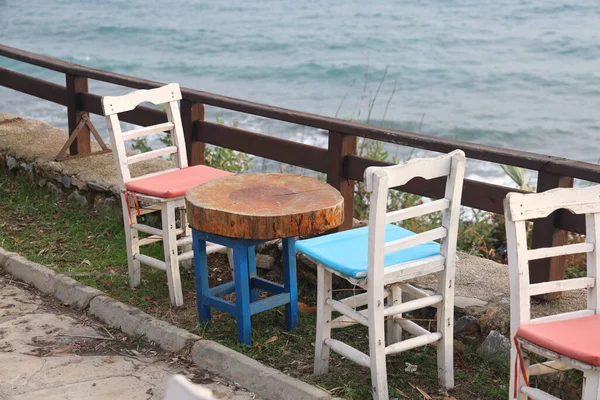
{"points": [[379, 180], [179, 388], [518, 208], [113, 105]]}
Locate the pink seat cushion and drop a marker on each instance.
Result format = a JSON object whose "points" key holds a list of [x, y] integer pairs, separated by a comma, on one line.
{"points": [[576, 338], [175, 183]]}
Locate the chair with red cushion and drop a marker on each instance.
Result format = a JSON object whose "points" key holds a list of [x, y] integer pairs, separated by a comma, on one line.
{"points": [[568, 340], [161, 191]]}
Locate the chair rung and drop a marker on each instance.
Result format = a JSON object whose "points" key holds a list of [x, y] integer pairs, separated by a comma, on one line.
{"points": [[547, 252], [147, 130], [414, 291], [415, 240], [417, 211], [147, 229], [343, 321], [151, 261], [150, 240], [412, 328], [413, 269], [214, 248], [348, 311], [361, 299], [413, 342], [537, 394], [560, 286], [548, 367], [165, 151], [184, 241], [413, 305], [186, 256], [349, 352]]}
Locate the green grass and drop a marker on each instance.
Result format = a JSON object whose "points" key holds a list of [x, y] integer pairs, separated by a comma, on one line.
{"points": [[90, 246]]}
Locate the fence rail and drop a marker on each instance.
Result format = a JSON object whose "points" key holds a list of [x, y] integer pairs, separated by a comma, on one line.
{"points": [[339, 161]]}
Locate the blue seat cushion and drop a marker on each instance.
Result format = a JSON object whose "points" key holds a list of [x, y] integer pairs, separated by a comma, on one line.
{"points": [[346, 252]]}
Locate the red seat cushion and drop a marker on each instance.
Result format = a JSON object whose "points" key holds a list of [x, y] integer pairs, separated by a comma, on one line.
{"points": [[175, 183], [576, 338]]}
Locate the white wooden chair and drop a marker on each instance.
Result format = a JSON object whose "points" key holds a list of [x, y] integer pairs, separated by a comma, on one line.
{"points": [[179, 388], [162, 191], [381, 258], [568, 340]]}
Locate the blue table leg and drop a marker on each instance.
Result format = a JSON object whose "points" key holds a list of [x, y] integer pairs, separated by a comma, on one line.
{"points": [[201, 272], [290, 283], [252, 271], [242, 293]]}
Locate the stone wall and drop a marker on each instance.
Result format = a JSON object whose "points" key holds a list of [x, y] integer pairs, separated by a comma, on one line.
{"points": [[29, 147]]}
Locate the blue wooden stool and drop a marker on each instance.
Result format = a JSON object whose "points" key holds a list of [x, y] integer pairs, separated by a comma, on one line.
{"points": [[242, 211], [246, 284]]}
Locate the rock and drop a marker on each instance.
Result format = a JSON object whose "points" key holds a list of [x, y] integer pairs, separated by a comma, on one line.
{"points": [[495, 347], [466, 325], [66, 181], [11, 162], [98, 186], [2, 164], [495, 319], [78, 183], [266, 246], [459, 347], [54, 190], [461, 303], [264, 261], [42, 181], [78, 199], [111, 205], [26, 167]]}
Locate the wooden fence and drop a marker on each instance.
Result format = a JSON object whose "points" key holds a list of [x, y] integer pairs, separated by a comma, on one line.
{"points": [[338, 161]]}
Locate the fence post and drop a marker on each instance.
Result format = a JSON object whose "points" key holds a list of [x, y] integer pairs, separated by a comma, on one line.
{"points": [[190, 113], [545, 234], [339, 146], [81, 144]]}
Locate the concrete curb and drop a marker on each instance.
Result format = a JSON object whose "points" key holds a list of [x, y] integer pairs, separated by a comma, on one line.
{"points": [[66, 289], [134, 321], [250, 374]]}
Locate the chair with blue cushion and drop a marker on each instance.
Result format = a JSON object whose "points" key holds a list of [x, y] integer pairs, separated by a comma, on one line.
{"points": [[381, 258]]}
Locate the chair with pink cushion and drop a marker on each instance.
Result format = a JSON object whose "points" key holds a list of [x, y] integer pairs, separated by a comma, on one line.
{"points": [[156, 192], [568, 340]]}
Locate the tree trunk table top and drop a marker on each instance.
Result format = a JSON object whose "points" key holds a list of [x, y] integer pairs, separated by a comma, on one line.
{"points": [[264, 206]]}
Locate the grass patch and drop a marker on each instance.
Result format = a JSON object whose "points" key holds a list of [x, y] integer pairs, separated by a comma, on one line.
{"points": [[90, 247]]}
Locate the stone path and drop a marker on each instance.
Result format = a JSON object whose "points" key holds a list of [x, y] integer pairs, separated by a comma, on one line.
{"points": [[47, 351]]}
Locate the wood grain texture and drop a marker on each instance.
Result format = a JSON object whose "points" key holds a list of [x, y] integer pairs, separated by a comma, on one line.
{"points": [[264, 206], [81, 143]]}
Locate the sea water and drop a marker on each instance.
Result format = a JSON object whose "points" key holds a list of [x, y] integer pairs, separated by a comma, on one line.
{"points": [[516, 74]]}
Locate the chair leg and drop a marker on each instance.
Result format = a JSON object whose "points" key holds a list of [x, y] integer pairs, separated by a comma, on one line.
{"points": [[394, 330], [132, 243], [323, 321], [187, 231], [290, 282], [379, 385], [252, 270], [201, 273], [242, 294], [170, 251], [230, 257], [445, 325], [516, 375], [591, 385]]}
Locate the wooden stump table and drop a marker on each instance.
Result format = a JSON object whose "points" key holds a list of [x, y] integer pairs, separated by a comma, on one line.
{"points": [[242, 211]]}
